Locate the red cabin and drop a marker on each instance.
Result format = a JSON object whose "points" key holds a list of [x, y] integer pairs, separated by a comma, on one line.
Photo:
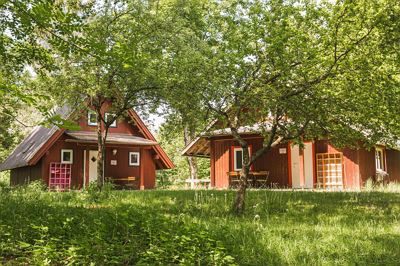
{"points": [[66, 159], [318, 165]]}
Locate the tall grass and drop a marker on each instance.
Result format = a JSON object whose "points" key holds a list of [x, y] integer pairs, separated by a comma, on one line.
{"points": [[197, 228]]}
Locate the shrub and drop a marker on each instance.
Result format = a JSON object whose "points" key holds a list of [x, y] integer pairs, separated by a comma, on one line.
{"points": [[96, 194]]}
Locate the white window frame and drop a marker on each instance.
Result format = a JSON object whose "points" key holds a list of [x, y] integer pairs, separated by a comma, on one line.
{"points": [[72, 156], [382, 161], [114, 124], [88, 118], [130, 157], [235, 168]]}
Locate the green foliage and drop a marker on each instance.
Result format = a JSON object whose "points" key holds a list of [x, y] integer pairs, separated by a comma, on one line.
{"points": [[36, 187], [29, 30], [96, 194], [330, 67], [172, 143], [53, 228], [195, 228], [5, 181]]}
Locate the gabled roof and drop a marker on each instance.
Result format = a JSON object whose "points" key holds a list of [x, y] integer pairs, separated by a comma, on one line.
{"points": [[200, 146], [146, 132], [33, 147]]}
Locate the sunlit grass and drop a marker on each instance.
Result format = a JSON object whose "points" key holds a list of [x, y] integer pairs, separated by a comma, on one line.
{"points": [[162, 227]]}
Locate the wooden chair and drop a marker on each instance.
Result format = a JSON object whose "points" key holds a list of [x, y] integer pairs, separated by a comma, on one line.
{"points": [[261, 179], [234, 178]]}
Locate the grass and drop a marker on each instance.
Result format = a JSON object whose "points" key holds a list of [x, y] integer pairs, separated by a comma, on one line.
{"points": [[196, 228]]}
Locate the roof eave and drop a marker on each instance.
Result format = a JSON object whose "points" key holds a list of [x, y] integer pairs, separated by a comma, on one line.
{"points": [[157, 148]]}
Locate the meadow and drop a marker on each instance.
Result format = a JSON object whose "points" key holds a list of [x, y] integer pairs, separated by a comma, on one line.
{"points": [[162, 227]]}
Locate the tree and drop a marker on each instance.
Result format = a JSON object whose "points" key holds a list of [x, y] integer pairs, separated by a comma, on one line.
{"points": [[117, 62], [170, 138], [27, 31], [27, 28], [299, 70], [183, 108]]}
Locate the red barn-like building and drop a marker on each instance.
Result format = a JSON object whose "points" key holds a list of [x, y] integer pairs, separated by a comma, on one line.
{"points": [[66, 159], [318, 165]]}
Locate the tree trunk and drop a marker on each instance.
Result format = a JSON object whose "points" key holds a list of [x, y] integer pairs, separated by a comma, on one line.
{"points": [[100, 151], [239, 204], [192, 162]]}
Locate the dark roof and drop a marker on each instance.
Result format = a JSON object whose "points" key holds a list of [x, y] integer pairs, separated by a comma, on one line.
{"points": [[91, 137], [200, 146], [25, 151]]}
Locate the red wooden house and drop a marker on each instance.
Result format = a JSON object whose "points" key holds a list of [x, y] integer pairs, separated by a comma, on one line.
{"points": [[66, 159], [318, 165]]}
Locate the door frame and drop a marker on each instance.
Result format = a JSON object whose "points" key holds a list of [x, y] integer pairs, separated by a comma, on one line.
{"points": [[88, 158]]}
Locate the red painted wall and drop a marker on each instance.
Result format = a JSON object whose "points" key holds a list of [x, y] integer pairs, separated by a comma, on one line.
{"points": [[54, 155], [358, 164], [124, 125], [393, 165], [221, 157], [221, 162], [121, 170], [367, 165], [149, 168]]}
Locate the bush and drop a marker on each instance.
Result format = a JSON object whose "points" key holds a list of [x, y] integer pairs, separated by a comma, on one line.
{"points": [[36, 186], [96, 194], [4, 181]]}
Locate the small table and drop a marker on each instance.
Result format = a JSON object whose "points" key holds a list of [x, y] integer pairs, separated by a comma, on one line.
{"points": [[129, 181]]}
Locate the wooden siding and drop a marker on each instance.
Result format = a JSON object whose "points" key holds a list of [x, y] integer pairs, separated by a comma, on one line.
{"points": [[366, 165], [212, 163], [54, 155], [149, 168], [221, 157], [24, 175], [121, 170], [273, 161], [124, 125], [277, 164], [393, 165], [359, 164]]}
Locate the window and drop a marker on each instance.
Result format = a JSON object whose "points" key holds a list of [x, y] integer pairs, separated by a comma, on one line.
{"points": [[92, 118], [238, 158], [67, 156], [134, 159], [111, 116], [379, 159]]}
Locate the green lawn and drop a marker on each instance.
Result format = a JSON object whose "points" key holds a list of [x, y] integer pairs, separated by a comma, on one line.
{"points": [[195, 227]]}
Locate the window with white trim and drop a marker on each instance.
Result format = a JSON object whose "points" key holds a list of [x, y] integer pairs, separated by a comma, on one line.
{"points": [[134, 158], [67, 156], [238, 158], [111, 116], [379, 163], [92, 118]]}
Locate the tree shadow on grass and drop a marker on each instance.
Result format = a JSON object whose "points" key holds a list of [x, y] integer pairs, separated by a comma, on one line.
{"points": [[40, 230]]}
